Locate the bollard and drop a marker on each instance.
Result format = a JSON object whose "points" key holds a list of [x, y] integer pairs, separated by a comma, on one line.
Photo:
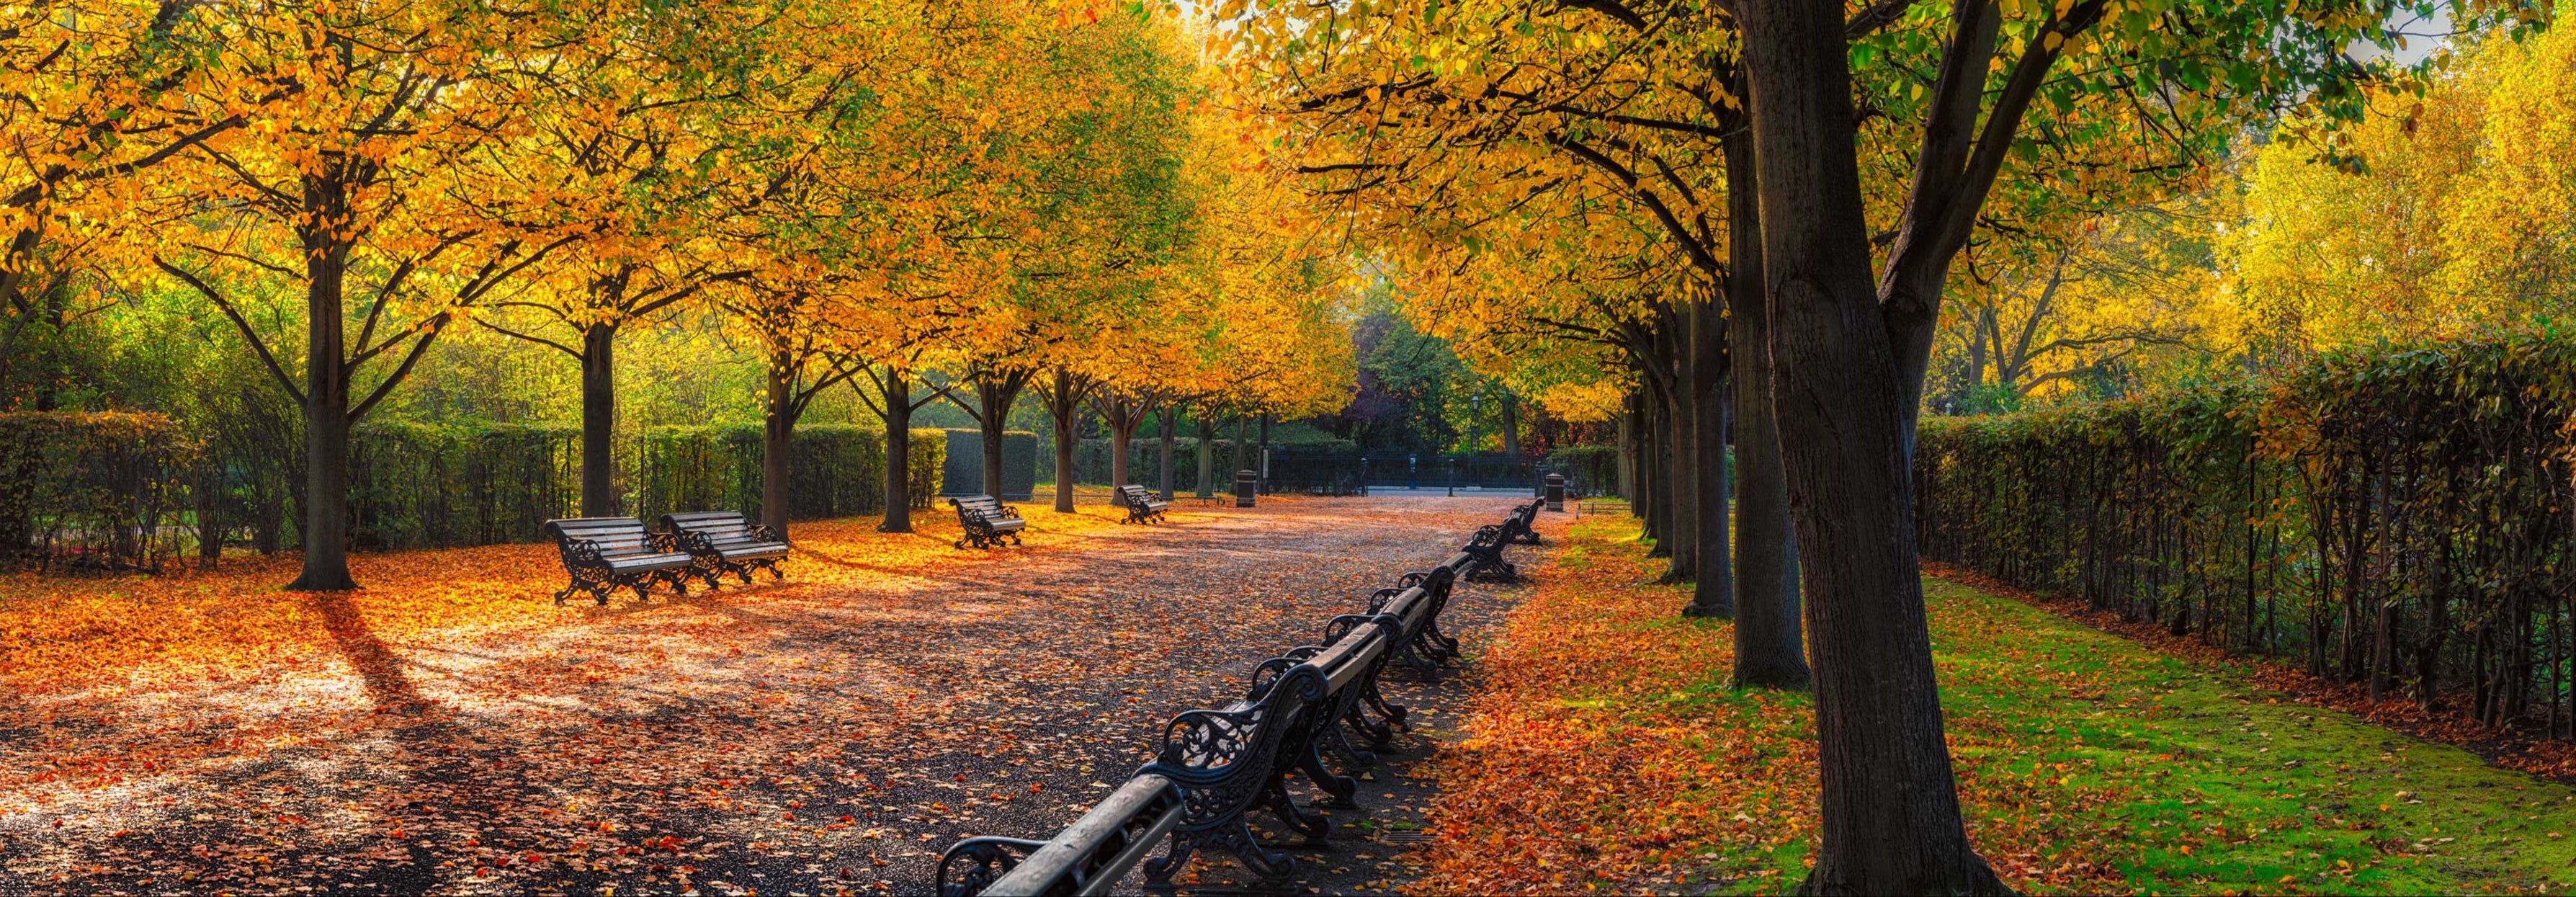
{"points": [[1556, 492], [1245, 482]]}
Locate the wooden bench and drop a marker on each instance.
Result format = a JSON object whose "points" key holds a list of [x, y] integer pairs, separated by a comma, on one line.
{"points": [[1087, 857], [601, 554], [1233, 761], [1141, 506], [1484, 554], [721, 542], [987, 521], [1522, 527]]}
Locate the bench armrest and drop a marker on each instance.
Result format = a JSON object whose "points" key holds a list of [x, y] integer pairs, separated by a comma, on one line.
{"points": [[582, 551], [971, 865], [762, 532]]}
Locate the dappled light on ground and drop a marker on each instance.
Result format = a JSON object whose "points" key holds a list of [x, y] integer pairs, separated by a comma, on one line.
{"points": [[450, 729]]}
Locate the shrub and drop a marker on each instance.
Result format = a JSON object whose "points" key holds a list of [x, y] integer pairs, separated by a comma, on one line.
{"points": [[2398, 517], [100, 490]]}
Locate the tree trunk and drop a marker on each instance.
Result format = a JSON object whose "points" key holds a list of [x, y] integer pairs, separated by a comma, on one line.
{"points": [[1170, 417], [1681, 468], [777, 438], [326, 419], [1120, 438], [897, 411], [1628, 452], [1659, 473], [1704, 338], [1207, 456], [1061, 408], [1890, 821], [598, 421], [1770, 651], [993, 398], [1262, 457], [1511, 425]]}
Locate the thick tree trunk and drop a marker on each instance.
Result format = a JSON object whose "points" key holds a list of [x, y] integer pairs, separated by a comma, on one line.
{"points": [[1512, 425], [1704, 338], [1120, 438], [993, 401], [896, 392], [1658, 454], [326, 424], [598, 420], [1207, 456], [1682, 465], [1770, 649], [1061, 407], [1890, 821], [1169, 418], [1628, 452], [777, 439]]}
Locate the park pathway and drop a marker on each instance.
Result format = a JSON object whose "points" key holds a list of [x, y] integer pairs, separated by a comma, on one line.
{"points": [[783, 739]]}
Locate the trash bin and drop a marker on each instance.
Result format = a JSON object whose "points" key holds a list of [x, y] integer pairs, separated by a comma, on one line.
{"points": [[1245, 483], [1556, 492]]}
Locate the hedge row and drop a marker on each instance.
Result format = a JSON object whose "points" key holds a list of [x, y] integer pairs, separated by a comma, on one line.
{"points": [[2399, 518], [131, 491]]}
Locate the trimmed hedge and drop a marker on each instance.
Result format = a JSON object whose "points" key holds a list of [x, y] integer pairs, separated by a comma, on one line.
{"points": [[99, 490], [2400, 518], [834, 470]]}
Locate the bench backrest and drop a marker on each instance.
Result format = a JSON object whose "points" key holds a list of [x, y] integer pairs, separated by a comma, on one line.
{"points": [[981, 504], [614, 535], [1134, 495], [716, 525]]}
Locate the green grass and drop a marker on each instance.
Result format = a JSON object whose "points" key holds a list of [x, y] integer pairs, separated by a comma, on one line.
{"points": [[2076, 745]]}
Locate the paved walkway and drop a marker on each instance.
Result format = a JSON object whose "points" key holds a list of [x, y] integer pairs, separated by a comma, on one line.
{"points": [[780, 738]]}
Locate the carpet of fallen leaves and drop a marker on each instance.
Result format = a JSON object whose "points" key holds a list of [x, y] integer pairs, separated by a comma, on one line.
{"points": [[1603, 754], [449, 729]]}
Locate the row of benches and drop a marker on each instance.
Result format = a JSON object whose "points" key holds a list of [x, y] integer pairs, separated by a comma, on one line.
{"points": [[1214, 767], [604, 554], [985, 522]]}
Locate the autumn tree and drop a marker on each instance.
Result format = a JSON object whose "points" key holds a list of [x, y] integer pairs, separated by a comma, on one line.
{"points": [[1852, 346], [368, 183]]}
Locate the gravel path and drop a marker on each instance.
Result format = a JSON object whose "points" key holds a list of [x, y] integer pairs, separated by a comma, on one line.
{"points": [[778, 739]]}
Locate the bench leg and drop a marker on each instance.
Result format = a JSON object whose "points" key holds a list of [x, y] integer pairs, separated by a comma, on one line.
{"points": [[565, 592], [776, 574], [1339, 788], [1315, 827]]}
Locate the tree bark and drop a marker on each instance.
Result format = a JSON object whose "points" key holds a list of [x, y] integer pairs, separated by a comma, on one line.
{"points": [[1704, 339], [994, 395], [1169, 418], [599, 496], [326, 409], [896, 392], [1238, 448], [1770, 649], [777, 439], [1890, 821], [1120, 438], [1658, 450], [1207, 456], [1061, 408], [1511, 425]]}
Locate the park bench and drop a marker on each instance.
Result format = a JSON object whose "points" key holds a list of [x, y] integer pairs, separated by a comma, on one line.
{"points": [[1088, 857], [1521, 528], [987, 521], [1484, 555], [1141, 506], [601, 554], [721, 542]]}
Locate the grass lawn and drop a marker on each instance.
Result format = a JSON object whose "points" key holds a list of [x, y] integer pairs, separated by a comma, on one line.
{"points": [[1607, 754]]}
